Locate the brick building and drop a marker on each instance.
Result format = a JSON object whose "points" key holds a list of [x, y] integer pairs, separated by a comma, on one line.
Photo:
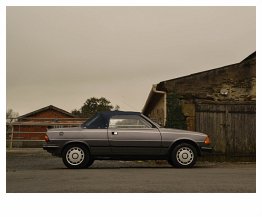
{"points": [[220, 102], [29, 129]]}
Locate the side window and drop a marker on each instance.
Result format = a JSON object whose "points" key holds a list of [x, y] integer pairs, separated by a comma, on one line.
{"points": [[97, 122], [128, 121]]}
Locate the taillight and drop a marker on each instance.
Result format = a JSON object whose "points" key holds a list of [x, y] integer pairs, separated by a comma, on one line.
{"points": [[46, 138], [207, 141]]}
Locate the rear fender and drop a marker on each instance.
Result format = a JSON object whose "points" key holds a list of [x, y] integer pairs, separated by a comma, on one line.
{"points": [[85, 144]]}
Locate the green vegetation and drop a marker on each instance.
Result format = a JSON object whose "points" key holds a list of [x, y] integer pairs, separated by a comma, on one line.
{"points": [[175, 116], [94, 105]]}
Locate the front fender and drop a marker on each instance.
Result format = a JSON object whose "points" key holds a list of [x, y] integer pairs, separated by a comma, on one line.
{"points": [[184, 140]]}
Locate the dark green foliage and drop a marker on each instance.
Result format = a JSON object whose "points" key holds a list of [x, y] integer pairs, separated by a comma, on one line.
{"points": [[175, 117], [92, 106], [76, 113]]}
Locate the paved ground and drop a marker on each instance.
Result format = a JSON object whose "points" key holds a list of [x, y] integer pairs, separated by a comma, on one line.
{"points": [[34, 170]]}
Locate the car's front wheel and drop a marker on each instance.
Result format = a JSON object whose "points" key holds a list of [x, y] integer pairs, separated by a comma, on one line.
{"points": [[183, 155], [76, 156]]}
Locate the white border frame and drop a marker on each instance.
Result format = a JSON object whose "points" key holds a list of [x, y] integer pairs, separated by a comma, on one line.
{"points": [[127, 204]]}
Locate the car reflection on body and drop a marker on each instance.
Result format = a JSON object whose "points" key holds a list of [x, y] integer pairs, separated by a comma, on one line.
{"points": [[119, 135]]}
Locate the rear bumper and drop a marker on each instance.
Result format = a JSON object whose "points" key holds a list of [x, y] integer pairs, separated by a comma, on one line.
{"points": [[53, 149]]}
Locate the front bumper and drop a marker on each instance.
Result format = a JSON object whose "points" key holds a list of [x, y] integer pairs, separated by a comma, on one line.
{"points": [[205, 148]]}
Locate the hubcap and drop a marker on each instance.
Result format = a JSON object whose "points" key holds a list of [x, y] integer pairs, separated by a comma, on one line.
{"points": [[185, 156], [75, 156]]}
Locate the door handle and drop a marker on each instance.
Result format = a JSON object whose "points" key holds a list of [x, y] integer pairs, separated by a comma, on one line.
{"points": [[114, 133]]}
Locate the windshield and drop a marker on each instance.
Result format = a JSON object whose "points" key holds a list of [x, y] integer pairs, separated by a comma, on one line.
{"points": [[148, 119]]}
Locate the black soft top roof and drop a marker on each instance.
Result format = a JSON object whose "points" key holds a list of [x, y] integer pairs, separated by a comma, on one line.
{"points": [[111, 113]]}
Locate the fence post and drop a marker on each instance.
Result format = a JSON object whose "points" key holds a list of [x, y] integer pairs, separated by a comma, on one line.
{"points": [[12, 135]]}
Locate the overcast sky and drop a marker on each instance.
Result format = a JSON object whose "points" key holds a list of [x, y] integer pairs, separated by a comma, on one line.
{"points": [[64, 55]]}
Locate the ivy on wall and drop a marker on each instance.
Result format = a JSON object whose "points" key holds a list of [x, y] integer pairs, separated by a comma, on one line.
{"points": [[175, 116]]}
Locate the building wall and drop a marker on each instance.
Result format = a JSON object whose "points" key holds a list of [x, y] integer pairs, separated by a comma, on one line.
{"points": [[28, 128], [230, 87], [29, 132], [156, 113], [233, 83], [237, 82], [189, 111]]}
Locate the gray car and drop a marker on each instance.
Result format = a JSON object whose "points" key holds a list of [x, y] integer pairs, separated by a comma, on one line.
{"points": [[122, 135]]}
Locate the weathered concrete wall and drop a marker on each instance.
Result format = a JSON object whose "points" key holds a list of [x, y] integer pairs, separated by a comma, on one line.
{"points": [[233, 83], [156, 112], [230, 86], [189, 112], [230, 83]]}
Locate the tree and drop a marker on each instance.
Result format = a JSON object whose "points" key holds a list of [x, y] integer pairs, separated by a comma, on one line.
{"points": [[11, 115], [94, 105], [76, 113], [117, 107]]}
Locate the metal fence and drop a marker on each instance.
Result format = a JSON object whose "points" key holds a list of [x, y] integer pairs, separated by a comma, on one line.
{"points": [[30, 132]]}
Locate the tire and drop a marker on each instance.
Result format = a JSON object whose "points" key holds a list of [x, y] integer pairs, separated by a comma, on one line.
{"points": [[76, 156], [90, 163], [183, 155]]}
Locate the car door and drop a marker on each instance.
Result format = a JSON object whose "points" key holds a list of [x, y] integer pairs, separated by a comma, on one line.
{"points": [[133, 135], [94, 133]]}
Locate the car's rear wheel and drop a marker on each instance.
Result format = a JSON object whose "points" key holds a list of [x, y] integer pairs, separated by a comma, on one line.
{"points": [[183, 155], [77, 156]]}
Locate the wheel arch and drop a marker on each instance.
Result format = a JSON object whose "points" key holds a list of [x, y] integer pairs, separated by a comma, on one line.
{"points": [[180, 141], [76, 142]]}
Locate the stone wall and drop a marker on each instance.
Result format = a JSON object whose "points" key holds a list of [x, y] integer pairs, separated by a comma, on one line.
{"points": [[230, 83], [233, 83], [156, 111]]}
